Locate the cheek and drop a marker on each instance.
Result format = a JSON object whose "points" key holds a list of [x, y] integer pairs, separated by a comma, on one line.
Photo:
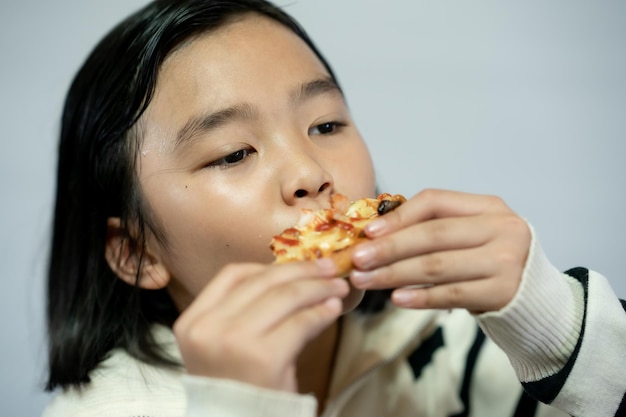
{"points": [[199, 250], [205, 230], [355, 172], [229, 234]]}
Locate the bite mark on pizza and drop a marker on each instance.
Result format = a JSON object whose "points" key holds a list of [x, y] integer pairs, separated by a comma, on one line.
{"points": [[333, 232]]}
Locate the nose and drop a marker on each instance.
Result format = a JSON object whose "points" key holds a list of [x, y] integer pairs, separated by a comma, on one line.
{"points": [[304, 178]]}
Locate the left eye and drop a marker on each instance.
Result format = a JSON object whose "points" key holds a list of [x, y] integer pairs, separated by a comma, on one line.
{"points": [[325, 128]]}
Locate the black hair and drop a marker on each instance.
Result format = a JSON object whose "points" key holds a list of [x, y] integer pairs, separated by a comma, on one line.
{"points": [[89, 310]]}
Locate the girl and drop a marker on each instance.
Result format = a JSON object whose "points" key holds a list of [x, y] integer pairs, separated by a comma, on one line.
{"points": [[197, 130]]}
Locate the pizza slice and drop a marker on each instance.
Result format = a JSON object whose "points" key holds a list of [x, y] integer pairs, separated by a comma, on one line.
{"points": [[333, 232]]}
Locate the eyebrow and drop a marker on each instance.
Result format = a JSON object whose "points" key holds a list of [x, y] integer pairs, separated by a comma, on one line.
{"points": [[212, 121], [315, 88], [204, 123]]}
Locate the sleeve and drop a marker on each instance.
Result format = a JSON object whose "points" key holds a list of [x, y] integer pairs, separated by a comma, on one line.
{"points": [[225, 398], [565, 335]]}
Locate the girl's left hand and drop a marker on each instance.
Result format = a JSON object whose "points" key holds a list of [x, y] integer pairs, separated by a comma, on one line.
{"points": [[445, 249]]}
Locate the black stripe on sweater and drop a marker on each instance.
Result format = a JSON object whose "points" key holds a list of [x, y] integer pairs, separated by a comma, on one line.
{"points": [[526, 406], [621, 411], [546, 390], [423, 355], [470, 365]]}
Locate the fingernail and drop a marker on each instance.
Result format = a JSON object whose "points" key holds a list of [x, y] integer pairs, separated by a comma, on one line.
{"points": [[327, 266], [361, 278], [341, 284], [402, 297], [376, 227], [334, 304], [363, 256]]}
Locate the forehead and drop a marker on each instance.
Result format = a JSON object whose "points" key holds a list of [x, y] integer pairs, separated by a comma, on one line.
{"points": [[248, 49], [251, 59]]}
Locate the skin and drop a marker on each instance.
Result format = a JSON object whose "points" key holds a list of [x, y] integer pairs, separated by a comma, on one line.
{"points": [[221, 194], [208, 197], [460, 250], [211, 213]]}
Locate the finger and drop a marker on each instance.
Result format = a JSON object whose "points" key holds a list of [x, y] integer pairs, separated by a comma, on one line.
{"points": [[275, 277], [306, 324], [432, 204], [237, 284], [477, 296], [282, 301], [228, 277], [429, 269], [220, 333], [423, 238]]}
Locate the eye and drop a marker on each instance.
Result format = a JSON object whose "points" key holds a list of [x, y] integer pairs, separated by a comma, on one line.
{"points": [[232, 159], [327, 128]]}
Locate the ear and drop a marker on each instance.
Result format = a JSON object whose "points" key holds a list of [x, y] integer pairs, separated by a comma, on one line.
{"points": [[126, 262]]}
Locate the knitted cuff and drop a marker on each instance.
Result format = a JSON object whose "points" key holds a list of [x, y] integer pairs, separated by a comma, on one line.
{"points": [[540, 327]]}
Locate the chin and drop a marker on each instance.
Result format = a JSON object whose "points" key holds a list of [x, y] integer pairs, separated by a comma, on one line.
{"points": [[352, 300]]}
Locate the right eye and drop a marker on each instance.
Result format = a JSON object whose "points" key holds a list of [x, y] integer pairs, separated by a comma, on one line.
{"points": [[232, 159]]}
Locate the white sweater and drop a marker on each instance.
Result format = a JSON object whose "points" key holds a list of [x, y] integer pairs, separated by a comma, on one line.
{"points": [[564, 334]]}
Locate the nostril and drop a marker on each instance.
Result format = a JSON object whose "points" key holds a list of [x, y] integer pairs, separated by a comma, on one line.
{"points": [[324, 186], [301, 193]]}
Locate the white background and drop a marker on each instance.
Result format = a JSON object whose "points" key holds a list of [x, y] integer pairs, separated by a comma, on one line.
{"points": [[525, 100]]}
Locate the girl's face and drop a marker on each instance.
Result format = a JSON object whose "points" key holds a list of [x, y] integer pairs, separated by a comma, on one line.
{"points": [[246, 128]]}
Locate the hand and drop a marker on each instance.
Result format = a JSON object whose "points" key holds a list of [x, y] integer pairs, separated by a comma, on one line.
{"points": [[252, 320], [445, 249]]}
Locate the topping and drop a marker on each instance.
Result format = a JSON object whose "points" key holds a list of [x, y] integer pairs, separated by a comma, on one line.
{"points": [[326, 232], [386, 206]]}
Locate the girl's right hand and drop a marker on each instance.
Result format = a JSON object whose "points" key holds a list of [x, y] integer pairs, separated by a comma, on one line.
{"points": [[252, 320]]}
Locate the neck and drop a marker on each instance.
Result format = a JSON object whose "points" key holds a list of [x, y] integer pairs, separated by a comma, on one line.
{"points": [[315, 365]]}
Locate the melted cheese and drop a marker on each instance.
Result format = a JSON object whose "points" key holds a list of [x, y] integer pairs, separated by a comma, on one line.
{"points": [[320, 233]]}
